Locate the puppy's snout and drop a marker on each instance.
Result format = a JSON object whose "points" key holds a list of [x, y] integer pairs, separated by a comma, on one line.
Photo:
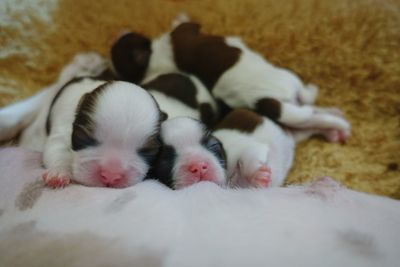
{"points": [[111, 177], [198, 169]]}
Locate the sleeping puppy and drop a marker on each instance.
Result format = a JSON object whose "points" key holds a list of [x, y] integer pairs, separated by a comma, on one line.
{"points": [[234, 74], [183, 95], [259, 152], [189, 154], [95, 132]]}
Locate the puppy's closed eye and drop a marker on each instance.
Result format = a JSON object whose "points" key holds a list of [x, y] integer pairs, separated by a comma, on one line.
{"points": [[150, 149], [81, 139], [214, 145]]}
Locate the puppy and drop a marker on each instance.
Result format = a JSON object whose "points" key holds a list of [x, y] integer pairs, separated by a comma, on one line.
{"points": [[189, 154], [234, 74], [183, 95], [259, 152], [100, 133]]}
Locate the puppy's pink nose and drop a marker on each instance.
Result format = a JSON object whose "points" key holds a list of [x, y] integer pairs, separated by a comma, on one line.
{"points": [[198, 169], [111, 178]]}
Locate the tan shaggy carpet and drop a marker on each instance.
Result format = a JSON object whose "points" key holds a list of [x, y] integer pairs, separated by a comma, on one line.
{"points": [[350, 48]]}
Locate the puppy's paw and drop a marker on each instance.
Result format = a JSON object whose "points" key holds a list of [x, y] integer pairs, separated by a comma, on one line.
{"points": [[261, 177], [56, 179], [336, 136]]}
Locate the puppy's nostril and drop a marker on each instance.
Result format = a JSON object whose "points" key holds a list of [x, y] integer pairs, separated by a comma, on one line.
{"points": [[198, 168], [193, 169]]}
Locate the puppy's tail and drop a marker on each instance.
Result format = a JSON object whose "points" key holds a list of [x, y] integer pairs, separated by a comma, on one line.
{"points": [[18, 116]]}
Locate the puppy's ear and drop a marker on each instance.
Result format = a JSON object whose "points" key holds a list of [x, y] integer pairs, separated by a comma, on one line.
{"points": [[130, 56], [163, 116]]}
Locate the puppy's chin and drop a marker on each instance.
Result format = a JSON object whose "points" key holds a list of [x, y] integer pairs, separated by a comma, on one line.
{"points": [[88, 173]]}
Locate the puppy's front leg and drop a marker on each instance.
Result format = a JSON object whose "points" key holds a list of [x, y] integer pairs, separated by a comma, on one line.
{"points": [[252, 167], [57, 159]]}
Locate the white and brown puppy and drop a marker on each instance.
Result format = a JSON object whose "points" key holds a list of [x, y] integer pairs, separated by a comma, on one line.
{"points": [[235, 75], [95, 132], [259, 152], [189, 154], [98, 133]]}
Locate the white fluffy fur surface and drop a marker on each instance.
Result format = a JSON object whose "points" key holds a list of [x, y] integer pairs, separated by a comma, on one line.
{"points": [[322, 224]]}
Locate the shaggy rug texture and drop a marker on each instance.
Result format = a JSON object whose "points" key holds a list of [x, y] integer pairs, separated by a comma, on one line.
{"points": [[350, 49]]}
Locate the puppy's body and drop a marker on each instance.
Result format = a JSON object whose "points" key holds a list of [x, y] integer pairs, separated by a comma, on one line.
{"points": [[259, 152], [189, 154], [183, 95], [235, 75]]}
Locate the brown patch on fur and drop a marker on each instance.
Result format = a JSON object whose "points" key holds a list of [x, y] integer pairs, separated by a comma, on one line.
{"points": [[24, 245], [106, 75], [175, 85], [56, 97], [29, 195], [268, 107], [206, 56], [83, 126], [241, 119], [120, 202]]}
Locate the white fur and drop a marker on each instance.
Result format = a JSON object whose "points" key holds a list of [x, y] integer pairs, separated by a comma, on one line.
{"points": [[161, 59], [202, 225]]}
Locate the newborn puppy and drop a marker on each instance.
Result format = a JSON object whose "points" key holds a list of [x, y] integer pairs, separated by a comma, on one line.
{"points": [[189, 154], [235, 75], [95, 132], [183, 95], [259, 152]]}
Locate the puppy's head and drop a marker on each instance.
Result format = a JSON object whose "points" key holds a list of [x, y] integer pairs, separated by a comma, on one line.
{"points": [[130, 56], [115, 135], [189, 154]]}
